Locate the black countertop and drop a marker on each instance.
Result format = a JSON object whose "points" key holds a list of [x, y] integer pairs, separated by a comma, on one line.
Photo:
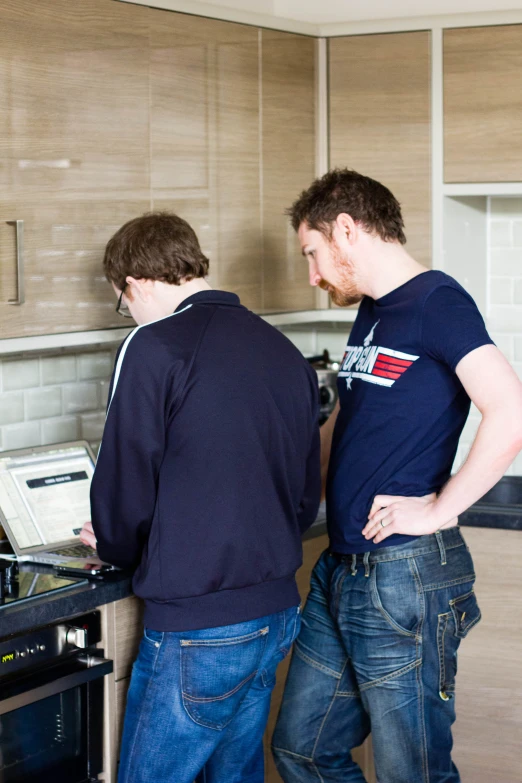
{"points": [[500, 508]]}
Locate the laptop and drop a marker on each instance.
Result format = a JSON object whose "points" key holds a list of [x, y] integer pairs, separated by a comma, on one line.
{"points": [[44, 501]]}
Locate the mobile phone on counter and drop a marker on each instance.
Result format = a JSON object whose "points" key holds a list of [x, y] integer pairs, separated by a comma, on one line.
{"points": [[87, 570]]}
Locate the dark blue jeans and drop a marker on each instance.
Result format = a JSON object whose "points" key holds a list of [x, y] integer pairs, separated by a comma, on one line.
{"points": [[378, 650], [198, 702]]}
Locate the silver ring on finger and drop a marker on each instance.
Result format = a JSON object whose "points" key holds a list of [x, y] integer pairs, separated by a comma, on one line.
{"points": [[382, 523]]}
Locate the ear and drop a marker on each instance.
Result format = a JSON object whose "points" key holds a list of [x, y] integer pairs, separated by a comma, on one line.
{"points": [[140, 288], [345, 229]]}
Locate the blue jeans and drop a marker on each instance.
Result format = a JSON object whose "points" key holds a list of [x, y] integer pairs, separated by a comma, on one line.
{"points": [[198, 702], [378, 648]]}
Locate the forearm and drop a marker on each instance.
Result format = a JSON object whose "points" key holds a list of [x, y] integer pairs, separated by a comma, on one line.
{"points": [[496, 445], [326, 432]]}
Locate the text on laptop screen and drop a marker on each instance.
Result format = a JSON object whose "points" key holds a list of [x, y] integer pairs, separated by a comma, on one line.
{"points": [[45, 496]]}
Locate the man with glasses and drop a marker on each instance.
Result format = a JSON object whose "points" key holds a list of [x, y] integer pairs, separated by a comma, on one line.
{"points": [[207, 475]]}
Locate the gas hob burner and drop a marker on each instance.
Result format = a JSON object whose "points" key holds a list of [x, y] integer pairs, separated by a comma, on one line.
{"points": [[23, 581]]}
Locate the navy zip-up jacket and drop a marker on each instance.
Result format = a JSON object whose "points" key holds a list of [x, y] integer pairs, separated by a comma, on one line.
{"points": [[208, 472]]}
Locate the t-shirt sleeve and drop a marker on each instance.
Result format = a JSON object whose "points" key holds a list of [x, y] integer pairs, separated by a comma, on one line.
{"points": [[452, 326]]}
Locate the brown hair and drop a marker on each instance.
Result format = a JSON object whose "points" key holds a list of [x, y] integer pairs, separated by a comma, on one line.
{"points": [[344, 190], [155, 246]]}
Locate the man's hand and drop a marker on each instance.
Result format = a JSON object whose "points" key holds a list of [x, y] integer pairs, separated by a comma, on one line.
{"points": [[391, 514], [87, 535]]}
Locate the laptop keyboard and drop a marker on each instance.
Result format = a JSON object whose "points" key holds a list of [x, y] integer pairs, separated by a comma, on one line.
{"points": [[76, 550]]}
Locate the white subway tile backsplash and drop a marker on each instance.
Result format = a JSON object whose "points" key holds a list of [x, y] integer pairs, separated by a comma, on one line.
{"points": [[11, 408], [58, 430], [92, 425], [104, 393], [506, 261], [506, 207], [517, 290], [79, 397], [501, 290], [21, 436], [58, 369], [43, 402], [20, 374], [505, 318], [517, 233], [334, 342], [501, 233], [95, 365]]}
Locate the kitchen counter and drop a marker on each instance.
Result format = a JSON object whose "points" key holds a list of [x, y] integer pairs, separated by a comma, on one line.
{"points": [[500, 508]]}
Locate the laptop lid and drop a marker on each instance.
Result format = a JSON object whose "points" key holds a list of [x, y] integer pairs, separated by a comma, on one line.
{"points": [[44, 495]]}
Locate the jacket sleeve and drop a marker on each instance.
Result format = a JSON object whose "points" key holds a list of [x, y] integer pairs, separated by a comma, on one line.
{"points": [[124, 485], [309, 506]]}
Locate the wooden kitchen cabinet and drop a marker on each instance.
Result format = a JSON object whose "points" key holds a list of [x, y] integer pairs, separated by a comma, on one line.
{"points": [[288, 147], [483, 104], [380, 120], [232, 145], [74, 108], [488, 730]]}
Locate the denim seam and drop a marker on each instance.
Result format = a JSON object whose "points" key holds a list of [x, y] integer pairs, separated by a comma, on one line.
{"points": [[210, 699], [405, 669], [291, 753], [249, 637], [147, 689], [324, 720], [441, 633], [427, 550], [451, 583], [349, 694], [418, 581], [380, 608], [425, 765], [337, 599], [317, 665]]}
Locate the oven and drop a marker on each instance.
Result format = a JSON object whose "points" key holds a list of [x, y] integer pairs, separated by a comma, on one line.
{"points": [[51, 703]]}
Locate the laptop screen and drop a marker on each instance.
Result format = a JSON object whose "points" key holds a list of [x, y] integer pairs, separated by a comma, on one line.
{"points": [[44, 496]]}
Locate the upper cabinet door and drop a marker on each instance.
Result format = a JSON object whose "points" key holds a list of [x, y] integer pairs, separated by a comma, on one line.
{"points": [[483, 104], [205, 141], [288, 135], [380, 121], [74, 161]]}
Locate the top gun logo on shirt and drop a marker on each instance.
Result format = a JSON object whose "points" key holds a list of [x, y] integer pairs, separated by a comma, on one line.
{"points": [[374, 363]]}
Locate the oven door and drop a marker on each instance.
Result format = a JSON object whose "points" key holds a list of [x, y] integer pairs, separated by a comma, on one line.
{"points": [[51, 721]]}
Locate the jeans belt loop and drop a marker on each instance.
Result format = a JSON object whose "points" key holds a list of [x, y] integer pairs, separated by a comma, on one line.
{"points": [[442, 548], [354, 565], [366, 561]]}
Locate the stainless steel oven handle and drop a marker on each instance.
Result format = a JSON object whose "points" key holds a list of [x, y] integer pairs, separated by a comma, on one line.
{"points": [[94, 669], [20, 270]]}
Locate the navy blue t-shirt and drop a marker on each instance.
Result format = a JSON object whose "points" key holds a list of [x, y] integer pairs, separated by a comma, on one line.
{"points": [[402, 407]]}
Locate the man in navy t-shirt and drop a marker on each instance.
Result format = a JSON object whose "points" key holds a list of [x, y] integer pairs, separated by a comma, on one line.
{"points": [[393, 596]]}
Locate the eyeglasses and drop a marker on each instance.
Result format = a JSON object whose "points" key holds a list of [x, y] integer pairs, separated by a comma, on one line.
{"points": [[121, 307]]}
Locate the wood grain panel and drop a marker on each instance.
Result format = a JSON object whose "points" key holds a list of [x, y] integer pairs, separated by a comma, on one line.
{"points": [[128, 631], [488, 731], [74, 161], [122, 686], [380, 120], [483, 104], [205, 141], [288, 160]]}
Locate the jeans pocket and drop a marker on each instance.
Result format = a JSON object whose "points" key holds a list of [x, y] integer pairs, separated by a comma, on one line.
{"points": [[216, 675], [466, 613], [154, 637], [453, 626], [396, 593]]}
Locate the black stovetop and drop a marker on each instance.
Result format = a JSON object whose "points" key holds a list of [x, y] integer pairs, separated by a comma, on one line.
{"points": [[26, 581]]}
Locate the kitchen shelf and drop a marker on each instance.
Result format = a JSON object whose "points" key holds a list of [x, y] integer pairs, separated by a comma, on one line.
{"points": [[312, 317], [50, 342], [483, 189]]}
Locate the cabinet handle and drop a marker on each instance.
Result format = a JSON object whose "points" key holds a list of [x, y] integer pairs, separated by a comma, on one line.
{"points": [[20, 278]]}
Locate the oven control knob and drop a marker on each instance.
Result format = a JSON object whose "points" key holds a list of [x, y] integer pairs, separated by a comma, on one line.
{"points": [[23, 654], [77, 637]]}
